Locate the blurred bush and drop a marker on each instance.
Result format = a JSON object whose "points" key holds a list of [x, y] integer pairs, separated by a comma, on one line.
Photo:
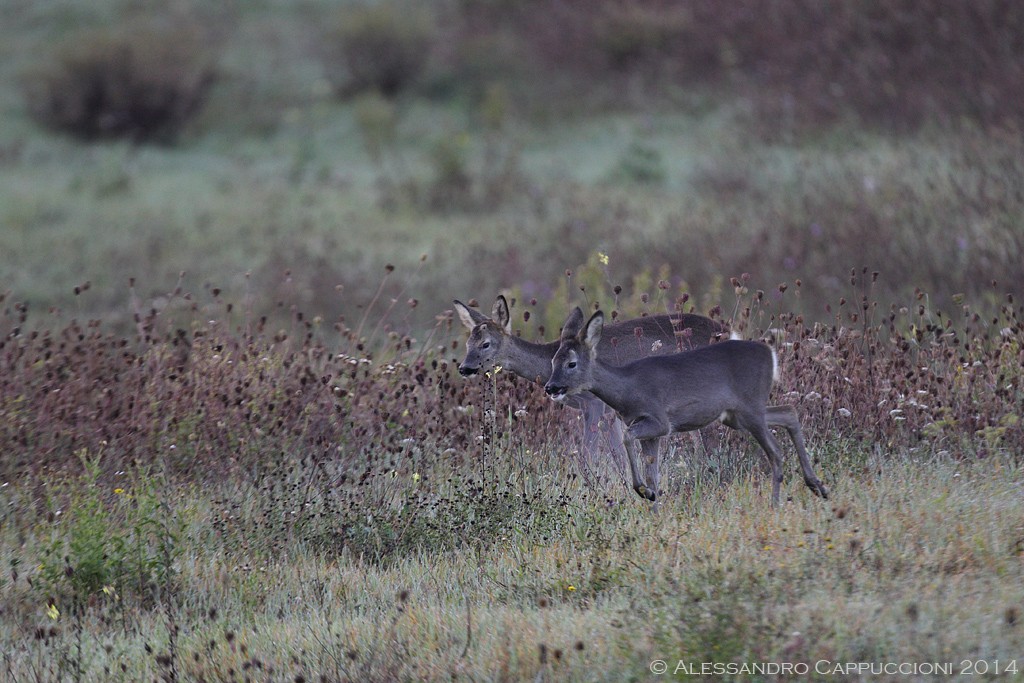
{"points": [[140, 82], [800, 63], [383, 47]]}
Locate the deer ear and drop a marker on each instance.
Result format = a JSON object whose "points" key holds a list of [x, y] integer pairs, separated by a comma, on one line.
{"points": [[591, 334], [572, 324], [501, 315], [468, 316]]}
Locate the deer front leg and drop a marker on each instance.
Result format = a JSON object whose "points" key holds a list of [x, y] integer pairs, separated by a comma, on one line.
{"points": [[648, 431], [634, 470], [651, 449]]}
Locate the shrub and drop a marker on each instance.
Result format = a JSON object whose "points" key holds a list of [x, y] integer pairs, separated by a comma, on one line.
{"points": [[141, 83], [380, 47], [634, 36], [801, 64]]}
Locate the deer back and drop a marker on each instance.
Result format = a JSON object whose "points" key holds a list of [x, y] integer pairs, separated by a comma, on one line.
{"points": [[629, 340]]}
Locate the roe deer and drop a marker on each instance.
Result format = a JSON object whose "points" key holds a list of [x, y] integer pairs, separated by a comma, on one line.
{"points": [[491, 343], [659, 395]]}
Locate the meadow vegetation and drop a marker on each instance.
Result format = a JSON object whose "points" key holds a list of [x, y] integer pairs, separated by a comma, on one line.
{"points": [[215, 500], [233, 444]]}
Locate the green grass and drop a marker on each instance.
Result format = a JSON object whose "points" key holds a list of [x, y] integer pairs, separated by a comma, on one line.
{"points": [[918, 563]]}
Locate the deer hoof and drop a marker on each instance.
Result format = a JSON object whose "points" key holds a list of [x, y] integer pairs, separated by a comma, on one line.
{"points": [[817, 487], [645, 492]]}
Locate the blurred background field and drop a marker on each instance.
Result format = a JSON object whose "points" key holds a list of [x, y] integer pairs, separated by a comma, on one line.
{"points": [[287, 152], [233, 444]]}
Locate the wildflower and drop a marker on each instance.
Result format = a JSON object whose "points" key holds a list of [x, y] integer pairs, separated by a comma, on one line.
{"points": [[603, 258], [415, 476], [119, 491], [571, 588], [52, 611], [843, 412]]}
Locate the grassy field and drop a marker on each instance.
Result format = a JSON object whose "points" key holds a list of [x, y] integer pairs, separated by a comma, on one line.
{"points": [[919, 562], [281, 192], [233, 444]]}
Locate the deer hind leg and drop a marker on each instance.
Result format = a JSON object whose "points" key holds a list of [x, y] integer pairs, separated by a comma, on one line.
{"points": [[648, 430], [759, 430], [785, 416]]}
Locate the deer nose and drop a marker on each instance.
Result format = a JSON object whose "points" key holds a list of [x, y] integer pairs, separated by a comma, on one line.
{"points": [[553, 389], [466, 372]]}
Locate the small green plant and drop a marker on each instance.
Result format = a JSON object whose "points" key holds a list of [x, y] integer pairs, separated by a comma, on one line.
{"points": [[113, 543], [378, 125], [140, 83], [452, 184], [641, 164]]}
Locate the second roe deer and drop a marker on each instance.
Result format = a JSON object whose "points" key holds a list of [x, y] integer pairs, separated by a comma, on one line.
{"points": [[659, 395]]}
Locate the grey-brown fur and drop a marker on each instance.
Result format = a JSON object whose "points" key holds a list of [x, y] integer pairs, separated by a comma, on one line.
{"points": [[491, 343], [680, 392]]}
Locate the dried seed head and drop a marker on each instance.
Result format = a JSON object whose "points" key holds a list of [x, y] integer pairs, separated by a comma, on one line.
{"points": [[913, 611]]}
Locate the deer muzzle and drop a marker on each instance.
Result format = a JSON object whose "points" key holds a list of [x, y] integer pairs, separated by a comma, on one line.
{"points": [[556, 392]]}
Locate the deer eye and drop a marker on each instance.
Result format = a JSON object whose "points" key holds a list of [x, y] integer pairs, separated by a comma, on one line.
{"points": [[485, 345], [571, 364]]}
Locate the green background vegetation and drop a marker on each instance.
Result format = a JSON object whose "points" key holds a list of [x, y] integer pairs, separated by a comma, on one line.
{"points": [[232, 442]]}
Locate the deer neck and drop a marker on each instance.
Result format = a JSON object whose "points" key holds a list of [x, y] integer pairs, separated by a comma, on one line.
{"points": [[530, 359], [610, 384]]}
